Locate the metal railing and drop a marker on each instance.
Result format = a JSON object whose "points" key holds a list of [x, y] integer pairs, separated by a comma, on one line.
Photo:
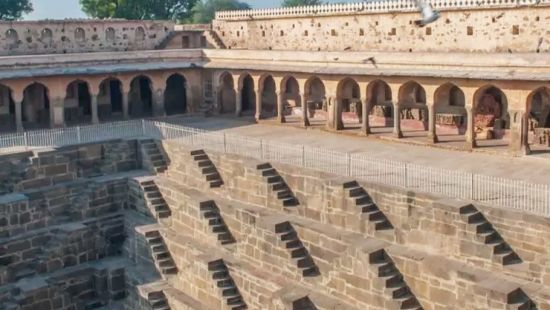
{"points": [[500, 192]]}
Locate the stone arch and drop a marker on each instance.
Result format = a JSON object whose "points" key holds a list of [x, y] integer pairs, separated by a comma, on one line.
{"points": [[412, 103], [450, 109], [140, 97], [78, 103], [110, 97], [491, 117], [316, 93], [12, 37], [538, 112], [7, 109], [46, 36], [226, 93], [291, 92], [248, 94], [348, 95], [380, 105], [110, 34], [79, 35], [269, 96], [175, 95], [140, 34], [36, 106]]}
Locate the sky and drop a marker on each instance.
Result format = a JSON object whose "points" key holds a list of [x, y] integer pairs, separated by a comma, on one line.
{"points": [[61, 9]]}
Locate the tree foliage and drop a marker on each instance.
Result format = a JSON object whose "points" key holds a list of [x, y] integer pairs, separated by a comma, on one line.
{"points": [[14, 9], [204, 10], [291, 3], [139, 9]]}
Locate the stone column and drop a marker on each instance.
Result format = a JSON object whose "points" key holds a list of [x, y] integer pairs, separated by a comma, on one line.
{"points": [[470, 128], [125, 105], [258, 115], [397, 121], [158, 103], [57, 112], [432, 133], [238, 102], [280, 107], [305, 116], [365, 127], [331, 112], [19, 114], [518, 132], [95, 117]]}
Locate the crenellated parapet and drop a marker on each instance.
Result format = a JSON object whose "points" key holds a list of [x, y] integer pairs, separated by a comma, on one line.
{"points": [[372, 7]]}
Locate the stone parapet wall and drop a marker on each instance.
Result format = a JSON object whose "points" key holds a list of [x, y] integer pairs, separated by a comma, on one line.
{"points": [[79, 36], [506, 28]]}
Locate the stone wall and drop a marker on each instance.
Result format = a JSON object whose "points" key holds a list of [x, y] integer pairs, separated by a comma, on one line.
{"points": [[79, 36], [50, 167], [432, 243], [476, 29]]}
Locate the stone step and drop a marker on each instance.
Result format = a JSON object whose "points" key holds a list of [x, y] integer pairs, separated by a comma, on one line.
{"points": [[226, 283], [205, 163], [150, 187], [507, 258], [158, 163], [290, 202], [289, 236], [489, 237], [209, 205], [235, 300], [213, 176], [310, 272], [166, 262], [476, 218], [264, 166], [157, 201], [304, 262], [214, 214], [157, 249], [408, 301], [363, 200], [225, 237], [399, 291], [284, 194], [219, 228], [368, 208], [351, 184], [299, 252], [209, 170], [217, 265], [484, 227], [155, 240], [269, 172], [201, 157], [153, 195], [293, 244], [230, 292], [279, 186], [219, 275], [197, 152], [161, 256], [169, 270], [152, 233], [382, 224], [216, 183], [274, 179], [155, 157]]}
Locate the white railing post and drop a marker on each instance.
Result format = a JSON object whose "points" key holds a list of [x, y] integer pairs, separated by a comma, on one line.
{"points": [[472, 186], [348, 164], [78, 137], [262, 155], [406, 175], [303, 156], [26, 140], [224, 142], [143, 127]]}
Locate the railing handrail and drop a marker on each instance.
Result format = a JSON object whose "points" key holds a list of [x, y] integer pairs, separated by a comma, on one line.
{"points": [[516, 194]]}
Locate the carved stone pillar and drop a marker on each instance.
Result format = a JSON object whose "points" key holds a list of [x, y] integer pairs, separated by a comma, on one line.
{"points": [[365, 127], [57, 113], [305, 117], [19, 115], [470, 128], [238, 102], [258, 114], [432, 133], [331, 112], [125, 105], [280, 107], [95, 117], [397, 121], [519, 132]]}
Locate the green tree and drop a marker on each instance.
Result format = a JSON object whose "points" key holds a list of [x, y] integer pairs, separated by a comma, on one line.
{"points": [[291, 3], [204, 10], [139, 9], [14, 9]]}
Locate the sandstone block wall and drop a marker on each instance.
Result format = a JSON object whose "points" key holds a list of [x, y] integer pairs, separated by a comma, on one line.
{"points": [[79, 36], [512, 29], [431, 243]]}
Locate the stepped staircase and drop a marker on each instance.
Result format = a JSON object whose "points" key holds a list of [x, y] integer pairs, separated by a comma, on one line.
{"points": [[298, 253], [230, 292], [518, 300], [278, 185], [213, 38], [152, 156], [392, 281], [486, 233], [369, 210], [154, 199], [211, 212], [161, 255], [209, 171], [157, 300]]}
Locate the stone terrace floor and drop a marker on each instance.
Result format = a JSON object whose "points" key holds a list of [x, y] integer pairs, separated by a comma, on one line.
{"points": [[533, 168]]}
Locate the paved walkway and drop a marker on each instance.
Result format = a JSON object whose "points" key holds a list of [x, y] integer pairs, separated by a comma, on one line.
{"points": [[530, 168]]}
